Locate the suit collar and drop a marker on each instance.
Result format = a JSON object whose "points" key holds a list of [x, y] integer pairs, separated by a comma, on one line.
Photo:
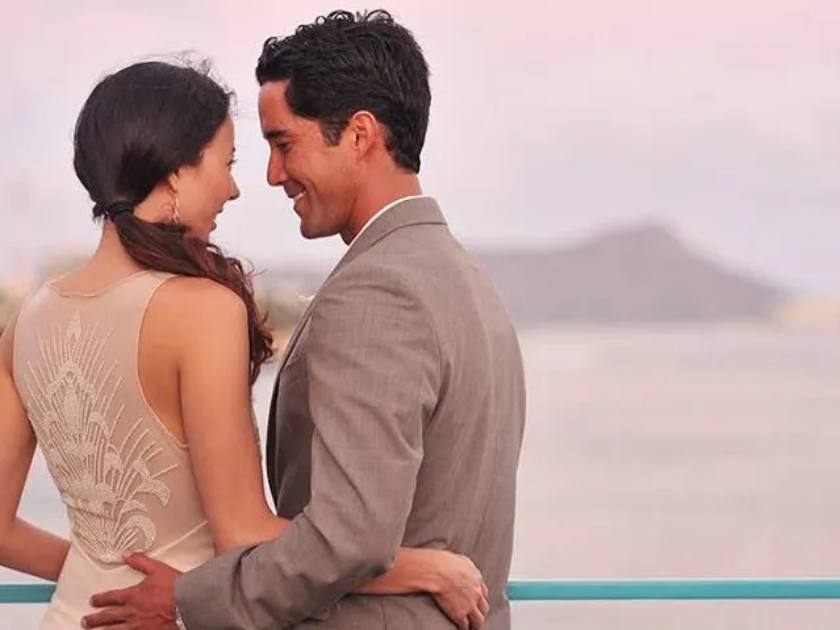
{"points": [[412, 211]]}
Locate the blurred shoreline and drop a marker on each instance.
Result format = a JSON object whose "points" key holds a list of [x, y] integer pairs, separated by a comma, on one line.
{"points": [[628, 276]]}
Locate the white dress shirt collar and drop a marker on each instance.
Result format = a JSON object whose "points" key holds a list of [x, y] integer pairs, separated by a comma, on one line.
{"points": [[383, 211]]}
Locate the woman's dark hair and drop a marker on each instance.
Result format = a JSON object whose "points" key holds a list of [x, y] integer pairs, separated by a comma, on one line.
{"points": [[137, 127], [344, 63]]}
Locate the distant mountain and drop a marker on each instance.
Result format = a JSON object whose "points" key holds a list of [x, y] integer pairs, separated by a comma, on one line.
{"points": [[631, 275], [636, 274]]}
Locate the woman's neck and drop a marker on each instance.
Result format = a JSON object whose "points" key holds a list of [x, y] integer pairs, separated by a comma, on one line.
{"points": [[109, 262]]}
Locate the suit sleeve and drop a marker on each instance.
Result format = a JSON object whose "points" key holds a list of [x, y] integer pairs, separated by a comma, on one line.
{"points": [[374, 373]]}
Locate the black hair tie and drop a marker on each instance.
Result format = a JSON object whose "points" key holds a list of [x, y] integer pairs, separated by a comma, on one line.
{"points": [[115, 209]]}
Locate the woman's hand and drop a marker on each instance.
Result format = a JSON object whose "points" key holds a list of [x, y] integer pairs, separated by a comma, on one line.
{"points": [[459, 589]]}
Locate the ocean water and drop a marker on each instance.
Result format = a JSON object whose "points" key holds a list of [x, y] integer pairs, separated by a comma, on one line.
{"points": [[684, 451]]}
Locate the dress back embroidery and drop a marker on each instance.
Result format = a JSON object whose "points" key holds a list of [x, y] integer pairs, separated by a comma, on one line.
{"points": [[125, 482]]}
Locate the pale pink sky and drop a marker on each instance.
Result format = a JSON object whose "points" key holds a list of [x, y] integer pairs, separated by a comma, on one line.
{"points": [[550, 120]]}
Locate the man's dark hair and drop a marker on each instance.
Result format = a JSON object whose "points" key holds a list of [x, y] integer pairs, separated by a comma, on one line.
{"points": [[346, 62]]}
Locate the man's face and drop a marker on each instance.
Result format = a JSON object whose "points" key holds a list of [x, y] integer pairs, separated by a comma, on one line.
{"points": [[319, 177]]}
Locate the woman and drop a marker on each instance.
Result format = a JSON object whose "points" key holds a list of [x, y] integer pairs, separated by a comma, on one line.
{"points": [[133, 372]]}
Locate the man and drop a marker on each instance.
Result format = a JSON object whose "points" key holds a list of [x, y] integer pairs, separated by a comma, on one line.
{"points": [[398, 411]]}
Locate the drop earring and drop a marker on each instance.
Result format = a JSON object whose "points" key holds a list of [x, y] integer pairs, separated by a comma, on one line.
{"points": [[176, 214]]}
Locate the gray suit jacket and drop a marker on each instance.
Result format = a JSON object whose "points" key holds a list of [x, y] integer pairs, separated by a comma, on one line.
{"points": [[397, 419]]}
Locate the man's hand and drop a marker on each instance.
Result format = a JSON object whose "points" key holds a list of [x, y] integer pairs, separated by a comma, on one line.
{"points": [[148, 606]]}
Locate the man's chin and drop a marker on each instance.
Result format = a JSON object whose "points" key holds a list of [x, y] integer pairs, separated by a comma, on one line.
{"points": [[311, 232]]}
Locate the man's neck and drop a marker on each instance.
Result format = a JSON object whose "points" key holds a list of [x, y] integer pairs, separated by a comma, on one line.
{"points": [[369, 202]]}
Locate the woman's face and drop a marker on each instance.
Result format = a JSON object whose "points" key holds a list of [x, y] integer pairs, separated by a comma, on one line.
{"points": [[203, 189]]}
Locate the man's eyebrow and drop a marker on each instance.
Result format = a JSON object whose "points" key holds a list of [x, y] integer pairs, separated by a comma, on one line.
{"points": [[274, 134]]}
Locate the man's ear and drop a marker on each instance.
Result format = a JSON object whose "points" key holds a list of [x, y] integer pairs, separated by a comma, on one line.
{"points": [[365, 131]]}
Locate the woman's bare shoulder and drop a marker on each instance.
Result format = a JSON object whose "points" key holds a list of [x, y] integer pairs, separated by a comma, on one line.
{"points": [[198, 296], [192, 307]]}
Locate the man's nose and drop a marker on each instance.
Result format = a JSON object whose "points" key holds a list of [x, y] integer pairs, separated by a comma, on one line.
{"points": [[276, 173]]}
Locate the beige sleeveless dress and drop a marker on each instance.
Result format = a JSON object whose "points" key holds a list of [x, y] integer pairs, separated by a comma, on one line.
{"points": [[126, 481]]}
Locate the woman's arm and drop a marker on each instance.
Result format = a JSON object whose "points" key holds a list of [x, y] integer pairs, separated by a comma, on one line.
{"points": [[23, 547], [452, 579], [215, 393], [424, 571]]}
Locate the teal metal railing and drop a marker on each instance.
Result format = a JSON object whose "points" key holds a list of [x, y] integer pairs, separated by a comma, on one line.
{"points": [[668, 589], [591, 590]]}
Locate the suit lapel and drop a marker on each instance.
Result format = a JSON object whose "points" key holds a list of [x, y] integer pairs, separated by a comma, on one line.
{"points": [[419, 211], [290, 345], [410, 212], [271, 436]]}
